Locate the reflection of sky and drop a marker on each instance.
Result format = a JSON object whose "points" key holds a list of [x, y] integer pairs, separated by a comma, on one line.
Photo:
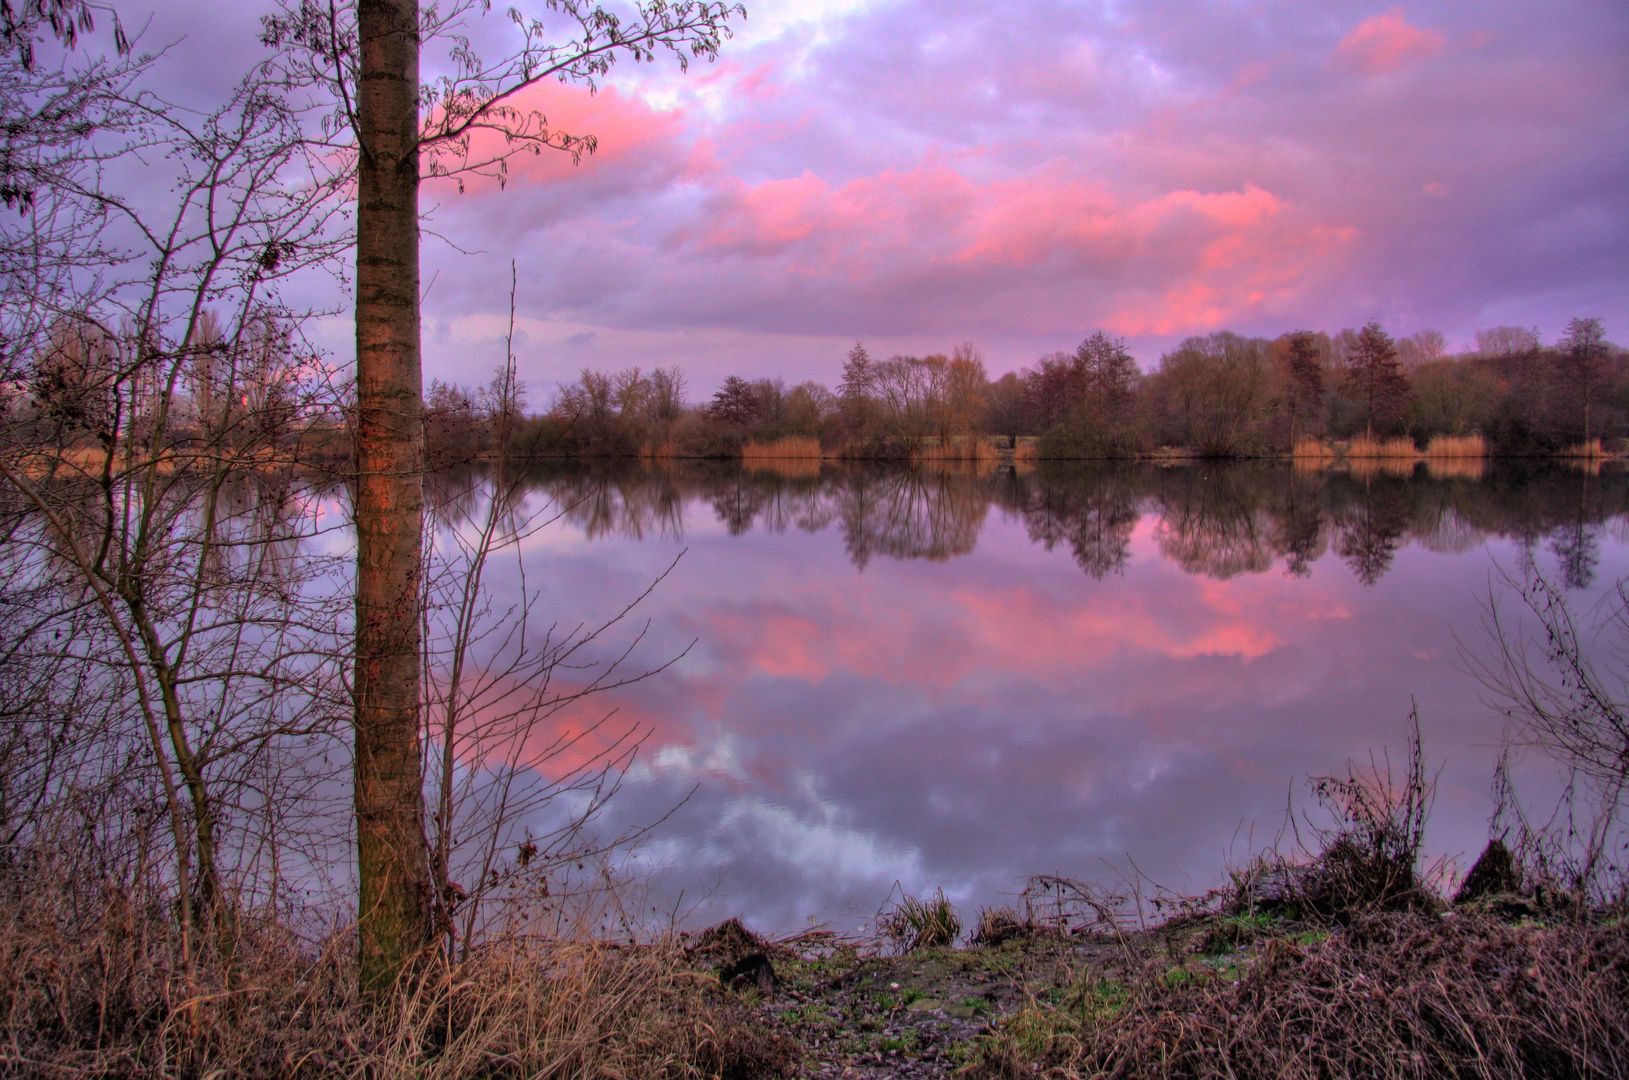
{"points": [[964, 723]]}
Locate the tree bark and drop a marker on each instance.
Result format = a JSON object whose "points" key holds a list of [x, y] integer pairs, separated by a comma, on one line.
{"points": [[394, 920]]}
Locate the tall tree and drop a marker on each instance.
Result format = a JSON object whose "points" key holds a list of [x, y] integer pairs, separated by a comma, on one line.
{"points": [[1303, 377], [1583, 362], [1375, 378], [365, 55], [392, 863]]}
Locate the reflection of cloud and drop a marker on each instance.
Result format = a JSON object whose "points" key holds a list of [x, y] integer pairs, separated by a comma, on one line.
{"points": [[1017, 630], [1385, 43]]}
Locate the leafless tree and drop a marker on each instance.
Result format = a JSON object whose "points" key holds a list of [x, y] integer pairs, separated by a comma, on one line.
{"points": [[519, 768], [399, 129], [160, 533], [1561, 686]]}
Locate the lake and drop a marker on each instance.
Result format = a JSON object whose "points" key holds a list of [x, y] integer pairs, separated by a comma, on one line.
{"points": [[957, 679]]}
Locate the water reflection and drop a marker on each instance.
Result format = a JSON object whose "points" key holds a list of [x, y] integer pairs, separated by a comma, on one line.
{"points": [[1216, 520], [959, 677]]}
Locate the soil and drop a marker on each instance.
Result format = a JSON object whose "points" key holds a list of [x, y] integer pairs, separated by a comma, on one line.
{"points": [[917, 1015]]}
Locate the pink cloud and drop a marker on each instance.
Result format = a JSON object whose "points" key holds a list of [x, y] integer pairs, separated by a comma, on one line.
{"points": [[1385, 43], [1223, 253], [626, 128]]}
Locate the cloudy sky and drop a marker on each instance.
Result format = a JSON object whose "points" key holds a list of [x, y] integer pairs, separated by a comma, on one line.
{"points": [[916, 173]]}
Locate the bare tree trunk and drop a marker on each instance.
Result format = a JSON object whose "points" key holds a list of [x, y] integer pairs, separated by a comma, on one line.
{"points": [[394, 917]]}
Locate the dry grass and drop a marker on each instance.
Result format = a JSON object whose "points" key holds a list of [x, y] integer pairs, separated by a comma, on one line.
{"points": [[1394, 995], [791, 448], [1590, 451], [926, 923], [91, 985], [1456, 447], [971, 448], [1310, 449], [1399, 448], [662, 451], [796, 457]]}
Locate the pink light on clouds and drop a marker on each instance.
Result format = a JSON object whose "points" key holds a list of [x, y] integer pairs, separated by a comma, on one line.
{"points": [[1385, 43], [1222, 254], [626, 127]]}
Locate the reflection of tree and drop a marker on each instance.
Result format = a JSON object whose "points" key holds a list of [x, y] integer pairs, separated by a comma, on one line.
{"points": [[914, 513], [1371, 529], [1094, 512], [1577, 547], [1213, 521], [1298, 527], [1577, 543]]}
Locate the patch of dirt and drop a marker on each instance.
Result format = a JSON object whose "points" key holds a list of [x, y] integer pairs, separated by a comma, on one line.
{"points": [[912, 1016]]}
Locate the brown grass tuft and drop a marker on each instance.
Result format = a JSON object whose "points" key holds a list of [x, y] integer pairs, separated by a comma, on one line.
{"points": [[795, 457], [1592, 451], [662, 451], [790, 448], [91, 984], [1449, 447], [1364, 447], [971, 448], [1394, 995], [1310, 449]]}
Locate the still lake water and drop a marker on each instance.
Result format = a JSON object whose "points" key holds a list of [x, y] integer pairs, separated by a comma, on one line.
{"points": [[945, 679]]}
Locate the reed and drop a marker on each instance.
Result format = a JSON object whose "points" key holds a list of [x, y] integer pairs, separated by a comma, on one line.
{"points": [[970, 448], [1310, 449], [662, 451], [792, 447], [1591, 451], [1365, 447], [1448, 447]]}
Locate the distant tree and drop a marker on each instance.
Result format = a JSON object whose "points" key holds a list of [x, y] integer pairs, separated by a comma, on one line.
{"points": [[1506, 340], [859, 375], [1582, 364], [1219, 388], [74, 379], [858, 387], [1006, 402], [808, 407], [771, 395], [1108, 377], [964, 382], [1421, 348], [907, 390], [1303, 379], [666, 395], [1375, 379], [1056, 387], [736, 402], [1454, 397]]}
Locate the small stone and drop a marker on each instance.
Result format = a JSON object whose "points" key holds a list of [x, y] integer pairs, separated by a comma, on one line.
{"points": [[925, 1005]]}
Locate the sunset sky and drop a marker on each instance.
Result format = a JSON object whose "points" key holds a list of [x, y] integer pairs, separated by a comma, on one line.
{"points": [[916, 173]]}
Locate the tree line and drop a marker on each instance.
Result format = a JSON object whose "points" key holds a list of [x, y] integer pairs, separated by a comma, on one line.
{"points": [[1218, 395]]}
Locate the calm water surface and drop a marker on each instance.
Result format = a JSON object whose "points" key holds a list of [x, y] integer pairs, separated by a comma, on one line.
{"points": [[957, 680]]}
